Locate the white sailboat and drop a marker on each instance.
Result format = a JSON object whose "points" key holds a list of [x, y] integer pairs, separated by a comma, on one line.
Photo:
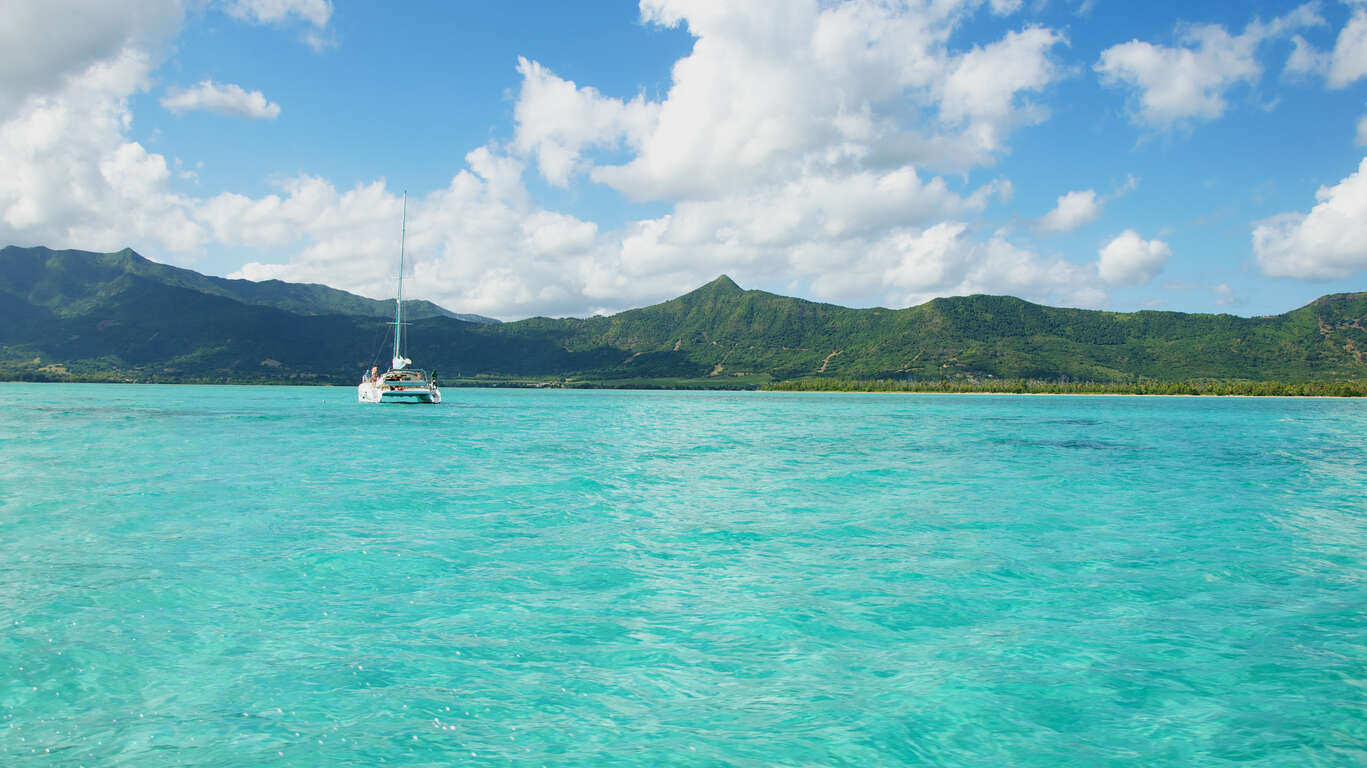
{"points": [[399, 384]]}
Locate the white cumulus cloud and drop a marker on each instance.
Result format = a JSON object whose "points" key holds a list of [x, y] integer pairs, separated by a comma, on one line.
{"points": [[944, 261], [1174, 85], [481, 246], [478, 244], [1328, 242], [1131, 260], [225, 98], [47, 41], [982, 86], [556, 121], [774, 90], [69, 177], [1073, 210]]}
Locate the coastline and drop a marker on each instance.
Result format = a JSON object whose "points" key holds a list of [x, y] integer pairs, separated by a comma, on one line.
{"points": [[1284, 390], [1059, 394]]}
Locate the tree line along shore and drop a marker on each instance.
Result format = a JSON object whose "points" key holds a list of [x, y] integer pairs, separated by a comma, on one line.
{"points": [[1042, 387], [1214, 387]]}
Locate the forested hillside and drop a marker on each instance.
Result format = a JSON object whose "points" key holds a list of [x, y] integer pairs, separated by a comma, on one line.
{"points": [[117, 316]]}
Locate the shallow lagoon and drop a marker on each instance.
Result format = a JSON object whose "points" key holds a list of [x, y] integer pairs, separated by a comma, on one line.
{"points": [[279, 576]]}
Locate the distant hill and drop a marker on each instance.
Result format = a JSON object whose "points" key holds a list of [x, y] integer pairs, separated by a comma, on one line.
{"points": [[722, 330], [67, 281], [118, 316]]}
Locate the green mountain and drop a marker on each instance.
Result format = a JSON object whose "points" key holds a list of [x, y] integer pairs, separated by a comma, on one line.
{"points": [[68, 281], [722, 330], [113, 316]]}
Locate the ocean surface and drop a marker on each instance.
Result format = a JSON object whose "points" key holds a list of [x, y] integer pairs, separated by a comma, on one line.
{"points": [[262, 576]]}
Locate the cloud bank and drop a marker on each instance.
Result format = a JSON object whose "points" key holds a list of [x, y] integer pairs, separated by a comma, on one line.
{"points": [[818, 149], [797, 145]]}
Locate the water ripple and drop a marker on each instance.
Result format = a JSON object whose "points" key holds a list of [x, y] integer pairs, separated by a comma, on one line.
{"points": [[227, 576]]}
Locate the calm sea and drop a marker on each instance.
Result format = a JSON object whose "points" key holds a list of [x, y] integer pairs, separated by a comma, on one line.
{"points": [[260, 576]]}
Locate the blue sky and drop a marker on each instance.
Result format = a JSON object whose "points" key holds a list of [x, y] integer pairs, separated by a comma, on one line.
{"points": [[579, 158]]}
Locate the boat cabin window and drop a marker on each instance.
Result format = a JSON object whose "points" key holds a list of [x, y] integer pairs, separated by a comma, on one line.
{"points": [[405, 376]]}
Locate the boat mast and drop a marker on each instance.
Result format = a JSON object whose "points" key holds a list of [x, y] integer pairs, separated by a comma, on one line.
{"points": [[398, 361]]}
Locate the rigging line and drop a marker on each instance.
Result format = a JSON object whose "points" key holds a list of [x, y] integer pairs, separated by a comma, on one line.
{"points": [[381, 332], [398, 300]]}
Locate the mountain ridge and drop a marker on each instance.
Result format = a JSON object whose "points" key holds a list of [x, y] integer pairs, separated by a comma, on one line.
{"points": [[143, 323], [300, 298]]}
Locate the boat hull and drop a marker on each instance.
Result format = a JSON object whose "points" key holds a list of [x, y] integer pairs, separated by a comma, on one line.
{"points": [[371, 393]]}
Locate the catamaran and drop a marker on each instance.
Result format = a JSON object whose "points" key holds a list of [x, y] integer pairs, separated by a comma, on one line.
{"points": [[399, 384]]}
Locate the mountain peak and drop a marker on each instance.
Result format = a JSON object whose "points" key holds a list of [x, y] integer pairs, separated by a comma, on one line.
{"points": [[722, 287], [723, 284], [128, 256]]}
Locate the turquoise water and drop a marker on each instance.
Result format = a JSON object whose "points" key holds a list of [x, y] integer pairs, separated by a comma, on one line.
{"points": [[257, 576]]}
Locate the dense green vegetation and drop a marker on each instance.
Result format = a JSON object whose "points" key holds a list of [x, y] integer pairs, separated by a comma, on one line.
{"points": [[73, 315], [1040, 387], [71, 282]]}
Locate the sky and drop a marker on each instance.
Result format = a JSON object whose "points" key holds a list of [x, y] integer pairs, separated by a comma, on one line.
{"points": [[581, 158]]}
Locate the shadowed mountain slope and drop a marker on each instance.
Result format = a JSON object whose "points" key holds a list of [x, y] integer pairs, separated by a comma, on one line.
{"points": [[68, 281]]}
